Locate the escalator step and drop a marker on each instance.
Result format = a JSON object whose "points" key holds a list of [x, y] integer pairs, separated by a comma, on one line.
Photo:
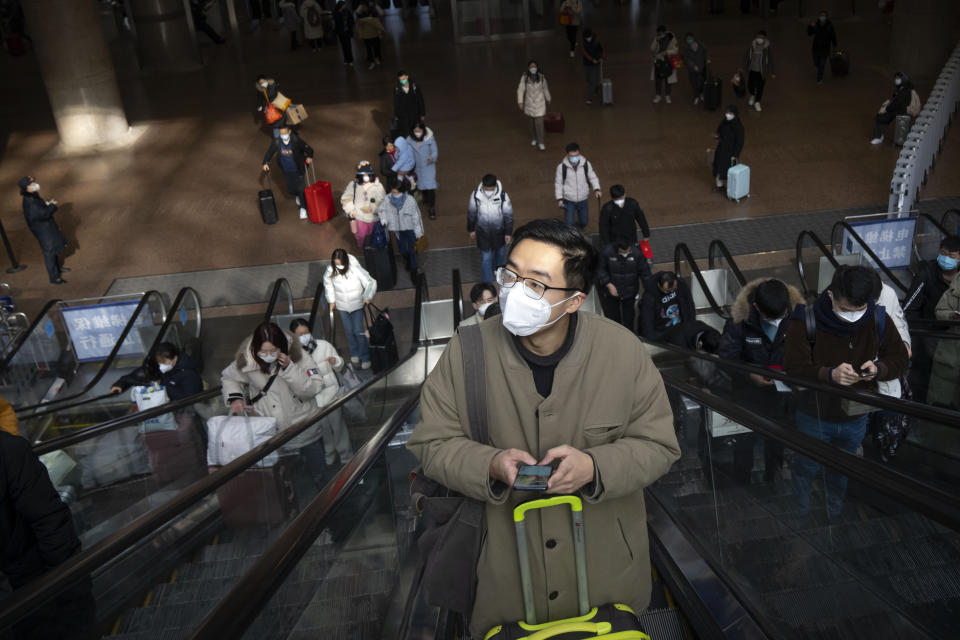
{"points": [[826, 603], [788, 573], [662, 624], [214, 569], [930, 584]]}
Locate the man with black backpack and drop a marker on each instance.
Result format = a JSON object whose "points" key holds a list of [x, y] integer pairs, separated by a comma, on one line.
{"points": [[845, 339], [490, 223], [572, 183]]}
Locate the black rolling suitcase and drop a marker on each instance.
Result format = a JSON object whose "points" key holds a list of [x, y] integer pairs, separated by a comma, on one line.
{"points": [[268, 206], [712, 93], [380, 259], [382, 342], [839, 63]]}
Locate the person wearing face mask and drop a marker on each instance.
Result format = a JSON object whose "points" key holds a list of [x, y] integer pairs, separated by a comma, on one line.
{"points": [[293, 155], [695, 59], [853, 344], [326, 360], [39, 216], [759, 62], [267, 89], [621, 273], [572, 183], [360, 200], [666, 304], [730, 138], [490, 223], [425, 152], [621, 217], [533, 98], [399, 213], [388, 158], [571, 16], [895, 106], [348, 287], [756, 334], [405, 162], [408, 106], [565, 388], [663, 46], [175, 370], [593, 56], [944, 389], [483, 295], [824, 38]]}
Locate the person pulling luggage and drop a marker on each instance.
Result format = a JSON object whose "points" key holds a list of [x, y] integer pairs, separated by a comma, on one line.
{"points": [[824, 37], [729, 137], [293, 155]]}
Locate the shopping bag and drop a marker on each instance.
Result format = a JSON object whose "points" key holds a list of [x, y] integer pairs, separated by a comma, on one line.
{"points": [[273, 114], [229, 437], [149, 397], [281, 102], [355, 409]]}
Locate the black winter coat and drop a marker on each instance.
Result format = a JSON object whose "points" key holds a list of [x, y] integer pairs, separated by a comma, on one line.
{"points": [[656, 308], [180, 382], [36, 528], [408, 108], [747, 342], [621, 222], [730, 145], [824, 35], [927, 288], [900, 99], [39, 216], [626, 273], [301, 151]]}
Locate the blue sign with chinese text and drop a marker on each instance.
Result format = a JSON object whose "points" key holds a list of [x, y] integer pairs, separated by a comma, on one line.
{"points": [[891, 240], [94, 330]]}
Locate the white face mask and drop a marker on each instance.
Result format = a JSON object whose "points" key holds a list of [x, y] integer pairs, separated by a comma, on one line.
{"points": [[366, 178], [897, 81], [33, 187], [165, 368], [264, 84], [489, 192], [269, 359], [729, 116], [533, 71], [759, 41], [285, 138], [305, 339], [848, 316], [524, 316], [620, 202], [482, 309]]}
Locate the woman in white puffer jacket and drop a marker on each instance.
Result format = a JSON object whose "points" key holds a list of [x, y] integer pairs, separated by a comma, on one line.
{"points": [[348, 287]]}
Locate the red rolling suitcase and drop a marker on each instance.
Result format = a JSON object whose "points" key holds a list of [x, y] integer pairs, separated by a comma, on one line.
{"points": [[319, 199], [176, 455], [553, 123]]}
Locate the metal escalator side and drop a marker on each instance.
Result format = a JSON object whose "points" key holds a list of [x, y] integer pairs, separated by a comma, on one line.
{"points": [[131, 558], [843, 228], [699, 287]]}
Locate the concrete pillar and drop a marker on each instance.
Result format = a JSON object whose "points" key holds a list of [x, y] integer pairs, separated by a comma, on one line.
{"points": [[922, 36], [78, 72], [165, 35]]}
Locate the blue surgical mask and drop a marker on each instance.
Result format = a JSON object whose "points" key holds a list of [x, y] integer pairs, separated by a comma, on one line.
{"points": [[690, 41], [574, 159], [946, 262], [397, 201]]}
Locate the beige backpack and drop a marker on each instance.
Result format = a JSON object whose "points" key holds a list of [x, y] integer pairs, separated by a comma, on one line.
{"points": [[913, 109]]}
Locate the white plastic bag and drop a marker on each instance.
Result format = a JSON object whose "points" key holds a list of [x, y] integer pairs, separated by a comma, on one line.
{"points": [[229, 437], [148, 398]]}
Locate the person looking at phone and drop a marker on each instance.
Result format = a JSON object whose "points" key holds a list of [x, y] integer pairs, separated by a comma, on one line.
{"points": [[566, 389], [854, 344]]}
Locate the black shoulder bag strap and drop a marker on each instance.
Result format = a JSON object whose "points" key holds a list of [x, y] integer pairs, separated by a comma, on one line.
{"points": [[254, 400], [810, 324], [475, 382]]}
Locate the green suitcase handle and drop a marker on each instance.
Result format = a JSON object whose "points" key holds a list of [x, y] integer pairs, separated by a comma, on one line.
{"points": [[595, 628]]}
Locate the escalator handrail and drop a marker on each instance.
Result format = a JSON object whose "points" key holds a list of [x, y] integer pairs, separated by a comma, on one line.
{"points": [[799, 264], [946, 417], [153, 348], [939, 227], [122, 421], [50, 585], [933, 502], [457, 299], [946, 214], [281, 283], [315, 308], [682, 252], [845, 226], [719, 245], [233, 614], [22, 338], [131, 323]]}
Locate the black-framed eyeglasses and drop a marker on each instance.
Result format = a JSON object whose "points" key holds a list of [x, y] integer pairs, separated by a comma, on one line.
{"points": [[533, 288]]}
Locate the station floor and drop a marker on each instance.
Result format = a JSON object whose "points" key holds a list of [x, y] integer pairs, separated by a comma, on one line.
{"points": [[183, 197]]}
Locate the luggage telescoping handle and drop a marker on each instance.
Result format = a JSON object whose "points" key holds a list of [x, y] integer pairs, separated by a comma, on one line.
{"points": [[312, 172], [576, 512]]}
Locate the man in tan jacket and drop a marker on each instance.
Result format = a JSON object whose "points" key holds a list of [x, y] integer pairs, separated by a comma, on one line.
{"points": [[566, 388]]}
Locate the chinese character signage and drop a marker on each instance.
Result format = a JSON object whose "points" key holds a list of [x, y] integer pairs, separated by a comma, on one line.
{"points": [[95, 329], [891, 240]]}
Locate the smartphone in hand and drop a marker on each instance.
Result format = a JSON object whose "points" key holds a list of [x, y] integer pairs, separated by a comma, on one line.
{"points": [[532, 477]]}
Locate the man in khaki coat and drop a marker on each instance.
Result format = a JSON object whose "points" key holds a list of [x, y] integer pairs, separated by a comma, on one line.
{"points": [[563, 387]]}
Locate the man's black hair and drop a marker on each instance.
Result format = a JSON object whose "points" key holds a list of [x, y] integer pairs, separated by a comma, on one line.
{"points": [[665, 278], [398, 184], [854, 284], [621, 243], [689, 34], [772, 298], [710, 341], [476, 293], [387, 140], [950, 243], [877, 286], [402, 73], [762, 33], [167, 350], [587, 33], [662, 28], [261, 77], [298, 322], [579, 256], [617, 191], [573, 146], [489, 180]]}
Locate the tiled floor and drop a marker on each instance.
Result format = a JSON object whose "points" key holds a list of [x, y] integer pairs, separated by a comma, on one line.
{"points": [[183, 198]]}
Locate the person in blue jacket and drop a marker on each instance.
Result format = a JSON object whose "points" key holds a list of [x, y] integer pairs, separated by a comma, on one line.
{"points": [[175, 370], [425, 152], [405, 165]]}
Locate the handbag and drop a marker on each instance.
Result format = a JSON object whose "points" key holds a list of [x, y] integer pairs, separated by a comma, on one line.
{"points": [[676, 61], [355, 409], [662, 68], [565, 18], [272, 114], [149, 397], [229, 437], [421, 245], [378, 238], [454, 525]]}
